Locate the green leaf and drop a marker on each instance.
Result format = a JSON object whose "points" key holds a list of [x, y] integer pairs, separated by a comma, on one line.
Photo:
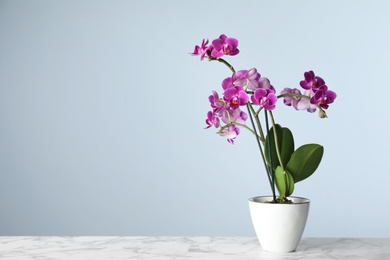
{"points": [[304, 161], [285, 143], [284, 182]]}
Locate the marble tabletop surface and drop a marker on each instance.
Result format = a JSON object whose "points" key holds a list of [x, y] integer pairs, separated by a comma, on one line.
{"points": [[201, 248]]}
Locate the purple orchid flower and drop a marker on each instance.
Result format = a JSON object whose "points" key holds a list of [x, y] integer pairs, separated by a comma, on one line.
{"points": [[236, 97], [323, 97], [224, 46], [246, 78], [264, 83], [264, 98], [201, 50], [311, 81], [304, 104], [218, 104], [295, 99], [230, 132], [212, 120], [234, 116], [227, 83]]}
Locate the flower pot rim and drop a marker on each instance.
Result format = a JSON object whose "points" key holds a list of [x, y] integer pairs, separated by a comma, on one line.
{"points": [[298, 200]]}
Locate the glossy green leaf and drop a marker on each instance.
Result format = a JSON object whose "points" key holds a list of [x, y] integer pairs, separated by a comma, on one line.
{"points": [[284, 182], [304, 161], [285, 143]]}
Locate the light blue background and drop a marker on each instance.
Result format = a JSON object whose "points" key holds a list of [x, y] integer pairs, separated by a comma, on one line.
{"points": [[102, 112]]}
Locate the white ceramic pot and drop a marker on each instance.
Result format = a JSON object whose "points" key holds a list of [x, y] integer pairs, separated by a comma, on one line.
{"points": [[279, 227]]}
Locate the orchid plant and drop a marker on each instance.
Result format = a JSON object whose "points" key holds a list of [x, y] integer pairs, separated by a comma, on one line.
{"points": [[284, 164]]}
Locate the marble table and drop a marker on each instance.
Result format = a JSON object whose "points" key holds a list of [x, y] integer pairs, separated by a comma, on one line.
{"points": [[200, 248]]}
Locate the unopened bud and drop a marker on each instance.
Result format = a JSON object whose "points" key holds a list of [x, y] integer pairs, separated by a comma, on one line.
{"points": [[322, 114]]}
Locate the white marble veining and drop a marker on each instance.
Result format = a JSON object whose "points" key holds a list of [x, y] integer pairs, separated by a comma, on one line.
{"points": [[201, 248]]}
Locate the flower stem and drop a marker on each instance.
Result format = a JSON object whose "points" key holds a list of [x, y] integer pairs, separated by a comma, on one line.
{"points": [[256, 115], [270, 179], [276, 141], [270, 157], [224, 62], [237, 124], [292, 95]]}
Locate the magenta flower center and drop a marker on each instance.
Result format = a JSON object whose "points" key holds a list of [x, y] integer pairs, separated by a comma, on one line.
{"points": [[235, 102]]}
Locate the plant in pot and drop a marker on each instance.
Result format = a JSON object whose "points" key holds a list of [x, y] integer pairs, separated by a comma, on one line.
{"points": [[278, 219]]}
